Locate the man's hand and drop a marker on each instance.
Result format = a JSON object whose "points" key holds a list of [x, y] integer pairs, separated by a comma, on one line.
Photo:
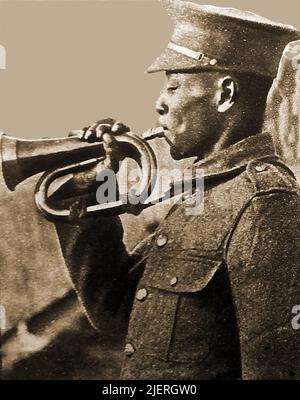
{"points": [[104, 131], [101, 131]]}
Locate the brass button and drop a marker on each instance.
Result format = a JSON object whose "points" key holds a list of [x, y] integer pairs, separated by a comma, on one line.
{"points": [[129, 349], [174, 281], [161, 240], [141, 294], [260, 168]]}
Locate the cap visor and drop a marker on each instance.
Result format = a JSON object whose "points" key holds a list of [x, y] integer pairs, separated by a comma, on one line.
{"points": [[170, 60]]}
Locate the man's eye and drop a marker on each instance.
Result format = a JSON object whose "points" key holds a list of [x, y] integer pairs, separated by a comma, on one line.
{"points": [[172, 88]]}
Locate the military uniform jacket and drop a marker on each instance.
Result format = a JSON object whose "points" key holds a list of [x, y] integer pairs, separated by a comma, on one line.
{"points": [[207, 296]]}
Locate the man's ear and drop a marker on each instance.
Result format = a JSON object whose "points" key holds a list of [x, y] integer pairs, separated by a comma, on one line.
{"points": [[226, 94]]}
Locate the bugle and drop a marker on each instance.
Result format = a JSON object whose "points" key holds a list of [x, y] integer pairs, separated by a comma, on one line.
{"points": [[58, 157]]}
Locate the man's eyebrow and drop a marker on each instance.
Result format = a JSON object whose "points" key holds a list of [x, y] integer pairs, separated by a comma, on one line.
{"points": [[172, 78]]}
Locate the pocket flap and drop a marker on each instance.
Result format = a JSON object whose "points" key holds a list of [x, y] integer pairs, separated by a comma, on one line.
{"points": [[183, 273]]}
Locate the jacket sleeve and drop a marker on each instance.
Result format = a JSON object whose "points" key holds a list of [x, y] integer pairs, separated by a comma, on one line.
{"points": [[263, 259], [104, 275]]}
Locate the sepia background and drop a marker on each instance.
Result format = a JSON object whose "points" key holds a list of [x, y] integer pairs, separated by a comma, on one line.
{"points": [[68, 64]]}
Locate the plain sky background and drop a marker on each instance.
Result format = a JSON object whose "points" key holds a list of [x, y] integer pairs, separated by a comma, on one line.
{"points": [[70, 63]]}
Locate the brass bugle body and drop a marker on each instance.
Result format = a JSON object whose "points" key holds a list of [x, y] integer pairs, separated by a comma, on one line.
{"points": [[61, 156]]}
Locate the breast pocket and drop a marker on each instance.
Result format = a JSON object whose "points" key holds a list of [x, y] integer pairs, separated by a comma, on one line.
{"points": [[179, 311]]}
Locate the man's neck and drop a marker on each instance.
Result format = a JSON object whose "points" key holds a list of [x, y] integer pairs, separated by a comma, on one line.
{"points": [[235, 131]]}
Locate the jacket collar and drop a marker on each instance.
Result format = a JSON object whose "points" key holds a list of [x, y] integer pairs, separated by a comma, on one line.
{"points": [[237, 156]]}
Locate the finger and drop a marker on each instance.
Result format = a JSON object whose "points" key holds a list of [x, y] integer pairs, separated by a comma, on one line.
{"points": [[111, 145], [112, 163], [89, 135], [113, 151], [77, 211], [81, 134], [107, 121], [89, 132], [101, 129], [109, 139], [119, 127]]}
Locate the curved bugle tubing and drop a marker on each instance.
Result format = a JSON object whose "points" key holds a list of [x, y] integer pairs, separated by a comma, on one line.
{"points": [[24, 158]]}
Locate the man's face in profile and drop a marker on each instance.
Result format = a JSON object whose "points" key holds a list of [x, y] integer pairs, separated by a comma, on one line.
{"points": [[188, 111]]}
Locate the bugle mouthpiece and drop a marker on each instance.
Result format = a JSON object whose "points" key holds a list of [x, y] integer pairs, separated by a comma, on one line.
{"points": [[153, 133]]}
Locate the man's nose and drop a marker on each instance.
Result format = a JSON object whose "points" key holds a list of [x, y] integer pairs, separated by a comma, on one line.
{"points": [[161, 106]]}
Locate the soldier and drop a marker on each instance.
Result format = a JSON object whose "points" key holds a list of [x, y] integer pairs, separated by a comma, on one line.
{"points": [[207, 296]]}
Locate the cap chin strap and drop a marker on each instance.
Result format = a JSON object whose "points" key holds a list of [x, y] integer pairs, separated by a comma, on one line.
{"points": [[186, 52], [195, 55]]}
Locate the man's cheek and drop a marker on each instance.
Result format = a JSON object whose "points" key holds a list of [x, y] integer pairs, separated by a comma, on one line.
{"points": [[175, 121], [182, 128]]}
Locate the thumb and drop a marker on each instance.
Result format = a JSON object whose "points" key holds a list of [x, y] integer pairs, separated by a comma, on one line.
{"points": [[77, 211]]}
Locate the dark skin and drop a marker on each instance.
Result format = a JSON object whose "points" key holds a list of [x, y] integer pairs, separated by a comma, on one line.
{"points": [[192, 108], [202, 114]]}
